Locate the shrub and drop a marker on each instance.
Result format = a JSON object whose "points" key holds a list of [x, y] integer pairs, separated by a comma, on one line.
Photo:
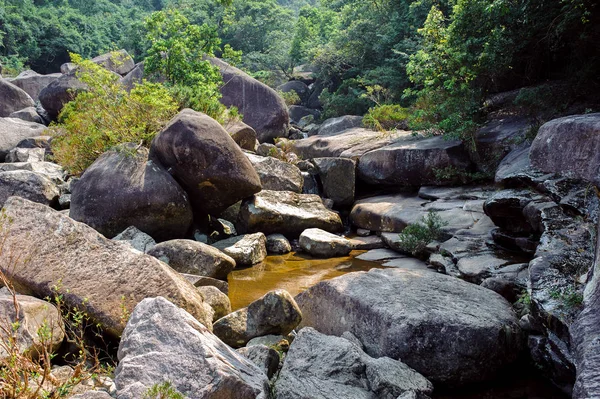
{"points": [[106, 115], [163, 391], [415, 237], [387, 117], [290, 97]]}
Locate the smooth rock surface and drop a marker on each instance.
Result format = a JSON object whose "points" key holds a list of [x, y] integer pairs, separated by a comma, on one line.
{"points": [[243, 135], [33, 83], [338, 176], [13, 130], [339, 124], [12, 98], [246, 250], [54, 96], [322, 244], [277, 244], [28, 114], [277, 175]]}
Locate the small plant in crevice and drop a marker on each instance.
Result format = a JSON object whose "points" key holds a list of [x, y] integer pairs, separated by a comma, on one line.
{"points": [[415, 237], [164, 390], [569, 297], [452, 174]]}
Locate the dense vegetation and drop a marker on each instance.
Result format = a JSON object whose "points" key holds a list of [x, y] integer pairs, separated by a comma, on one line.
{"points": [[441, 57]]}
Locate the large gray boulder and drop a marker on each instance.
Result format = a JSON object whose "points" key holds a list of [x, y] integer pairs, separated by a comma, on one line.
{"points": [[12, 98], [206, 161], [338, 176], [413, 162], [193, 257], [54, 96], [275, 313], [33, 83], [287, 213], [246, 250], [217, 299], [13, 130], [451, 331], [569, 146], [163, 343], [34, 317], [28, 114], [116, 61], [133, 77], [320, 366], [123, 188], [30, 185], [339, 124], [498, 137], [322, 244], [262, 107], [277, 175], [105, 277], [50, 170], [243, 135]]}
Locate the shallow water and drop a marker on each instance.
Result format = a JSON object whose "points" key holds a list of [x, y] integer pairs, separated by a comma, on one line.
{"points": [[293, 272]]}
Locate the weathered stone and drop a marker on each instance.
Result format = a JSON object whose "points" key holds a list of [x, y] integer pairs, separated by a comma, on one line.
{"points": [[407, 264], [498, 137], [54, 96], [480, 266], [310, 184], [28, 114], [516, 170], [379, 255], [415, 325], [123, 188], [275, 313], [297, 87], [217, 300], [413, 162], [366, 243], [246, 250], [569, 146], [322, 244], [455, 193], [243, 135], [337, 125], [325, 367], [298, 112], [29, 185], [116, 61], [506, 207], [277, 244], [35, 318], [33, 83], [192, 257], [338, 176], [13, 130], [25, 155], [133, 77], [201, 281], [265, 358], [89, 270], [262, 107], [164, 343], [206, 161], [287, 213], [137, 239], [50, 170], [277, 175], [12, 98], [92, 395]]}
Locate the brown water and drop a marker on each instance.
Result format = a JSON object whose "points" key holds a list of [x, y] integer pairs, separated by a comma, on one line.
{"points": [[293, 272]]}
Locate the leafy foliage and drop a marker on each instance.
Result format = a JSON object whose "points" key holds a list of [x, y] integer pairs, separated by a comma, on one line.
{"points": [[164, 390], [415, 237], [387, 117]]}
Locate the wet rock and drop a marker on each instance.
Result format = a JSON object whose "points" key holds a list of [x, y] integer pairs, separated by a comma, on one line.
{"points": [[338, 176], [28, 114], [243, 135], [33, 83], [412, 162], [54, 96], [13, 130], [337, 125], [366, 243], [124, 188], [322, 244], [262, 107], [265, 358], [137, 239], [287, 213], [217, 300], [12, 98], [192, 257], [275, 313], [328, 367], [164, 343], [408, 326], [29, 185], [246, 250], [277, 244], [107, 275], [277, 175], [310, 184], [380, 255], [33, 315], [116, 61], [206, 161]]}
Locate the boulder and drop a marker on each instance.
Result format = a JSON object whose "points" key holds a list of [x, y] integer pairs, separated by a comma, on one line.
{"points": [[201, 281], [569, 146], [54, 97], [116, 61], [29, 185], [265, 358], [287, 213], [163, 343], [277, 244], [246, 250], [515, 169], [123, 188], [337, 125], [262, 107], [338, 176], [28, 114], [320, 366], [413, 162], [498, 137], [451, 331], [275, 313], [206, 161], [35, 317], [322, 244], [218, 301], [12, 98], [13, 130], [243, 135], [89, 270], [137, 239], [33, 83], [25, 155], [296, 86], [298, 112], [277, 175], [67, 68], [50, 170], [134, 77], [193, 257]]}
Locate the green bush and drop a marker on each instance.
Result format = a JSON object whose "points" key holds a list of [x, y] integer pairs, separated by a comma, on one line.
{"points": [[163, 391], [290, 97], [105, 115], [415, 237], [387, 117]]}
